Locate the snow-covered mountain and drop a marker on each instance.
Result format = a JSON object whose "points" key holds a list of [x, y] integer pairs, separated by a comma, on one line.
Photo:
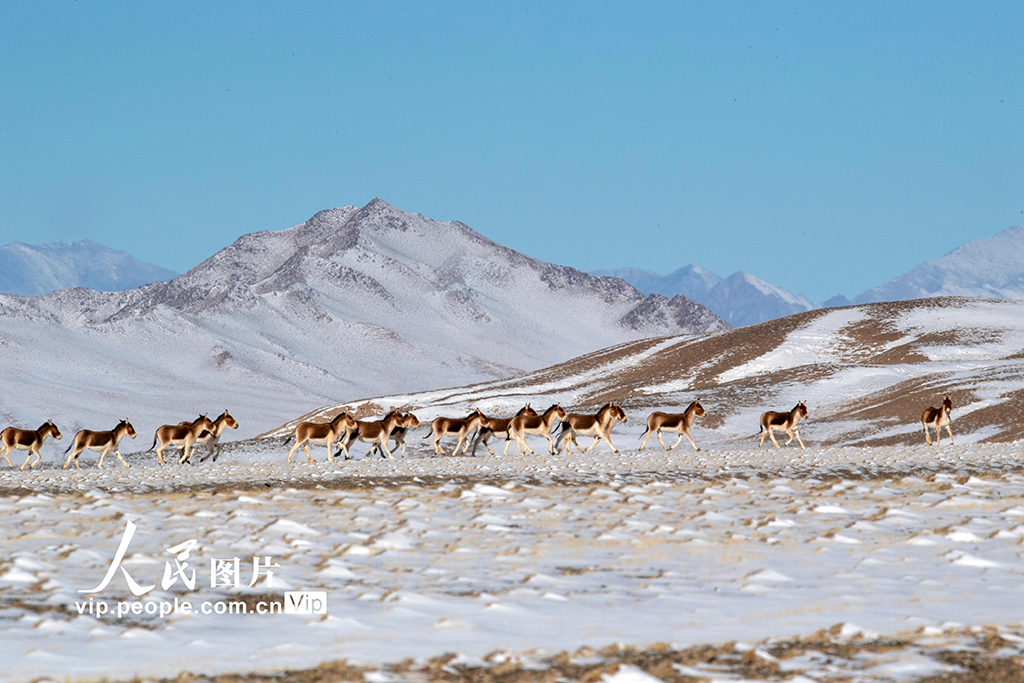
{"points": [[992, 267], [689, 281], [353, 302], [34, 269], [741, 299]]}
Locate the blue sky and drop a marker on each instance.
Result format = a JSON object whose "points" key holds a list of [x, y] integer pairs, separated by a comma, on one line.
{"points": [[824, 147]]}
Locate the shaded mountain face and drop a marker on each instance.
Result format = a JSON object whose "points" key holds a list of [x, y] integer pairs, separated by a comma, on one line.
{"points": [[866, 373], [741, 299], [353, 302], [34, 269], [992, 267]]}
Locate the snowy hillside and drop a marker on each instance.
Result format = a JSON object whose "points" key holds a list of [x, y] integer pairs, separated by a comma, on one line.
{"points": [[866, 373], [991, 267], [34, 269], [741, 299], [353, 302]]}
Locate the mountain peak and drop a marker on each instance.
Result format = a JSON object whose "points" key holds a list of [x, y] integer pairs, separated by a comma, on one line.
{"points": [[741, 299], [991, 267], [35, 269]]}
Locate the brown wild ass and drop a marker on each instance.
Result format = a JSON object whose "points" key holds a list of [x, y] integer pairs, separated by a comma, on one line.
{"points": [[461, 427], [377, 433], [498, 428], [101, 442], [937, 418], [211, 438], [659, 422], [27, 440], [598, 426], [540, 425], [322, 433], [784, 422], [398, 433], [182, 435]]}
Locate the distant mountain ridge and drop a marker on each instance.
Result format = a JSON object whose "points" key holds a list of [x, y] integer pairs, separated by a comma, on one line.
{"points": [[992, 267], [35, 269], [741, 299]]}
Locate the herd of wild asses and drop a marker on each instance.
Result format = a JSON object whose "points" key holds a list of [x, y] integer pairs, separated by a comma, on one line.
{"points": [[344, 430]]}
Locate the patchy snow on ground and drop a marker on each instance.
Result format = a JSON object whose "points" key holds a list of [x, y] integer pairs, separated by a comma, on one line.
{"points": [[422, 556]]}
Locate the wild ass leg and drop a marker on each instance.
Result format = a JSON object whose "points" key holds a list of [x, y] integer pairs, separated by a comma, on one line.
{"points": [[688, 437], [343, 445], [551, 444], [292, 451], [519, 441], [31, 450], [798, 439], [563, 441], [607, 436], [771, 435], [7, 449], [74, 454], [463, 440], [102, 455], [927, 434], [950, 434], [123, 461]]}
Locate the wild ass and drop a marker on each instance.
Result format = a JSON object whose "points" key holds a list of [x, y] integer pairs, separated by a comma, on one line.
{"points": [[461, 427], [785, 422], [101, 442], [598, 426], [322, 433], [377, 433], [498, 428], [679, 423], [398, 433], [540, 425], [183, 435], [211, 437], [27, 440], [937, 418]]}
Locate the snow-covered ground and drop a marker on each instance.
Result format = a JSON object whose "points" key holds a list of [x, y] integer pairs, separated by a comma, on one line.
{"points": [[422, 556]]}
